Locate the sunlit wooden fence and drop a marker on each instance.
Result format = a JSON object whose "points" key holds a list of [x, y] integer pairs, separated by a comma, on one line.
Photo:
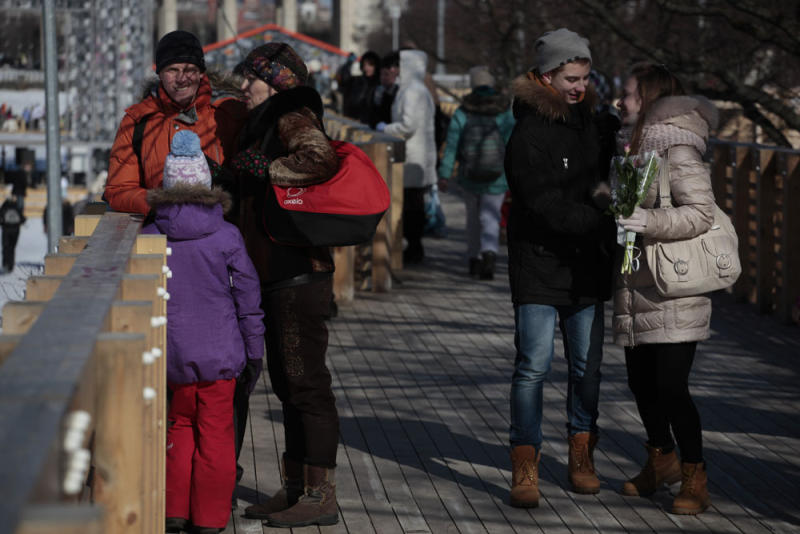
{"points": [[759, 186], [83, 386], [388, 155]]}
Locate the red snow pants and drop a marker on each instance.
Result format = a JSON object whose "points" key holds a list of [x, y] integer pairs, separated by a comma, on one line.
{"points": [[201, 457]]}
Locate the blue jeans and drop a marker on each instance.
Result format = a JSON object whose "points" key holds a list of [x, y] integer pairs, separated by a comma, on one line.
{"points": [[582, 330]]}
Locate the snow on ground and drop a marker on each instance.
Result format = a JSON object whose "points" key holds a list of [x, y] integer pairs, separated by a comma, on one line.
{"points": [[29, 261]]}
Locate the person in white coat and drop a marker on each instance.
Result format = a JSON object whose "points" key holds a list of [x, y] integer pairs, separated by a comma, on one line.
{"points": [[413, 114]]}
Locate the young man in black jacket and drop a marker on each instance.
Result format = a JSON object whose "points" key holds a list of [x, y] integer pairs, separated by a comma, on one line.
{"points": [[560, 247]]}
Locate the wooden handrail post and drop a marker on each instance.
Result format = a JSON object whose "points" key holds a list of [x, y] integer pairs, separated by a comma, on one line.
{"points": [[766, 207], [381, 243], [744, 287], [118, 443], [790, 238]]}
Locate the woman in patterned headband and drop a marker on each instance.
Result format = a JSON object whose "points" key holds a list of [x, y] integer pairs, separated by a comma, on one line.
{"points": [[284, 143]]}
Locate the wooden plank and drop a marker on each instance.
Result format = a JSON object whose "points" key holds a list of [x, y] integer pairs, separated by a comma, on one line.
{"points": [[61, 519], [766, 208], [20, 316], [145, 264], [396, 218], [42, 288], [344, 275], [86, 224], [71, 244], [8, 343], [151, 244], [381, 243], [142, 287], [39, 379], [119, 441], [59, 264], [790, 239]]}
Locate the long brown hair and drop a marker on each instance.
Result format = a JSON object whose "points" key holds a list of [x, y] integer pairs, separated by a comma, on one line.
{"points": [[653, 82]]}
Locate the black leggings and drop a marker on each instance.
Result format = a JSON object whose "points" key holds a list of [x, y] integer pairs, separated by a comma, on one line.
{"points": [[297, 340], [658, 376]]}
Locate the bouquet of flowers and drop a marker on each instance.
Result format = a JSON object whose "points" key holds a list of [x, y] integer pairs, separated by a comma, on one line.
{"points": [[631, 177]]}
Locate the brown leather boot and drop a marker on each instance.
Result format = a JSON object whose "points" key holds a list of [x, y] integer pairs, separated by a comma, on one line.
{"points": [[660, 469], [317, 505], [525, 476], [291, 490], [581, 463], [693, 497]]}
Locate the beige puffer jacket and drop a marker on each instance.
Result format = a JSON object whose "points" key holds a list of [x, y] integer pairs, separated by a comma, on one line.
{"points": [[681, 125]]}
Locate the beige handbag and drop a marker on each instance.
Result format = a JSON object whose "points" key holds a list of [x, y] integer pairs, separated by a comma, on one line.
{"points": [[695, 266]]}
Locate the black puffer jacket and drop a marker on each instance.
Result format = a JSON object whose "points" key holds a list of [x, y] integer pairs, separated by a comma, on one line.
{"points": [[560, 243]]}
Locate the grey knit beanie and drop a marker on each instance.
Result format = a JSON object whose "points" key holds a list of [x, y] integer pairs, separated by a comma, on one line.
{"points": [[558, 47]]}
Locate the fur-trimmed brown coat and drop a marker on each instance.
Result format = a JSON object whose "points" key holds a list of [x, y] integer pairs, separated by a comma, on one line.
{"points": [[680, 125], [286, 133], [560, 243]]}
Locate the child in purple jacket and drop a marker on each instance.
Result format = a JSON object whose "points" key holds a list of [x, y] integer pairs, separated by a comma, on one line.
{"points": [[214, 329]]}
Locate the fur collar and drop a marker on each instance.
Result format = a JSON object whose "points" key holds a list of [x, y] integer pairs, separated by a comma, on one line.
{"points": [[545, 102], [673, 106], [485, 103], [189, 194], [263, 119]]}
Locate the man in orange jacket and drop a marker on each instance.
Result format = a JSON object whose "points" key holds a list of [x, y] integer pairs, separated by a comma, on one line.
{"points": [[182, 100]]}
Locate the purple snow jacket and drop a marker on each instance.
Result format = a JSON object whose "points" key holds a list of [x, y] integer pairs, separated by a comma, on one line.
{"points": [[214, 317]]}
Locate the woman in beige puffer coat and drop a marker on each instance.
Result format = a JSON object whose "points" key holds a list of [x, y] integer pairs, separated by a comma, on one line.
{"points": [[660, 334]]}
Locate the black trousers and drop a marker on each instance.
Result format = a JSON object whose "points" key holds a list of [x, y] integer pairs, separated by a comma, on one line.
{"points": [[297, 340], [414, 218], [658, 377], [10, 237]]}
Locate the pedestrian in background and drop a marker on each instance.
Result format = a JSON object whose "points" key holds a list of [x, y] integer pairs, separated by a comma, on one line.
{"points": [[476, 141], [413, 120]]}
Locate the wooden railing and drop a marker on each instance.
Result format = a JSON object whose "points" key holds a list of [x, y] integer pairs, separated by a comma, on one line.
{"points": [[388, 154], [759, 186], [83, 386]]}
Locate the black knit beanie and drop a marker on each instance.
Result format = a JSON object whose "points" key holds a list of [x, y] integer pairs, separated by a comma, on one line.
{"points": [[179, 47]]}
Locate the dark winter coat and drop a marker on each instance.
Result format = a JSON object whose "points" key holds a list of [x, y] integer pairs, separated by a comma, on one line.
{"points": [[283, 143], [214, 317], [560, 243]]}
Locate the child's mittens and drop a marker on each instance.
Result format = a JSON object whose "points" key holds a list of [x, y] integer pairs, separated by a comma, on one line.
{"points": [[250, 373]]}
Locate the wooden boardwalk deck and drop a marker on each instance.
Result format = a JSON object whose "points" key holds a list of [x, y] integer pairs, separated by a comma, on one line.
{"points": [[421, 376]]}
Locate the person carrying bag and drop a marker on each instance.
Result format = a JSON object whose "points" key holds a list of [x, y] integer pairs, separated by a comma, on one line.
{"points": [[659, 330]]}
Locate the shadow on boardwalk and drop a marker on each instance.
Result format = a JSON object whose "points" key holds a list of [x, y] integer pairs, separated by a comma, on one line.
{"points": [[421, 376]]}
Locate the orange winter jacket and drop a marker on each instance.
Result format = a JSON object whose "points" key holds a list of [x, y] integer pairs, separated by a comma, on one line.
{"points": [[217, 124]]}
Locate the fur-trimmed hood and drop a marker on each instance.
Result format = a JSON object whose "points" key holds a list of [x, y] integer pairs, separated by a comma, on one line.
{"points": [[543, 101], [188, 211], [670, 107], [485, 102]]}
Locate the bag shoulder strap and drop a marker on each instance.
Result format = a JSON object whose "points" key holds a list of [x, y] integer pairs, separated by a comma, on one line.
{"points": [[664, 192], [136, 144]]}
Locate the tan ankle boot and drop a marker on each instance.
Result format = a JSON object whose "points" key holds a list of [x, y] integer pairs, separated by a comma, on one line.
{"points": [[693, 497], [525, 476], [582, 475], [317, 505], [291, 490], [660, 469]]}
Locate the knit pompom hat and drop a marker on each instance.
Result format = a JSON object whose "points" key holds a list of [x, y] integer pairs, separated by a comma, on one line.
{"points": [[186, 164], [277, 64]]}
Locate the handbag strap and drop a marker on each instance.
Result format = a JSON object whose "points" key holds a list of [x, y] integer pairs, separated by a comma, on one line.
{"points": [[664, 192]]}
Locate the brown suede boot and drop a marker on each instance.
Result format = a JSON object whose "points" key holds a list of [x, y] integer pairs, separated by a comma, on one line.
{"points": [[581, 463], [660, 469], [525, 476], [317, 506], [291, 490], [693, 497]]}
